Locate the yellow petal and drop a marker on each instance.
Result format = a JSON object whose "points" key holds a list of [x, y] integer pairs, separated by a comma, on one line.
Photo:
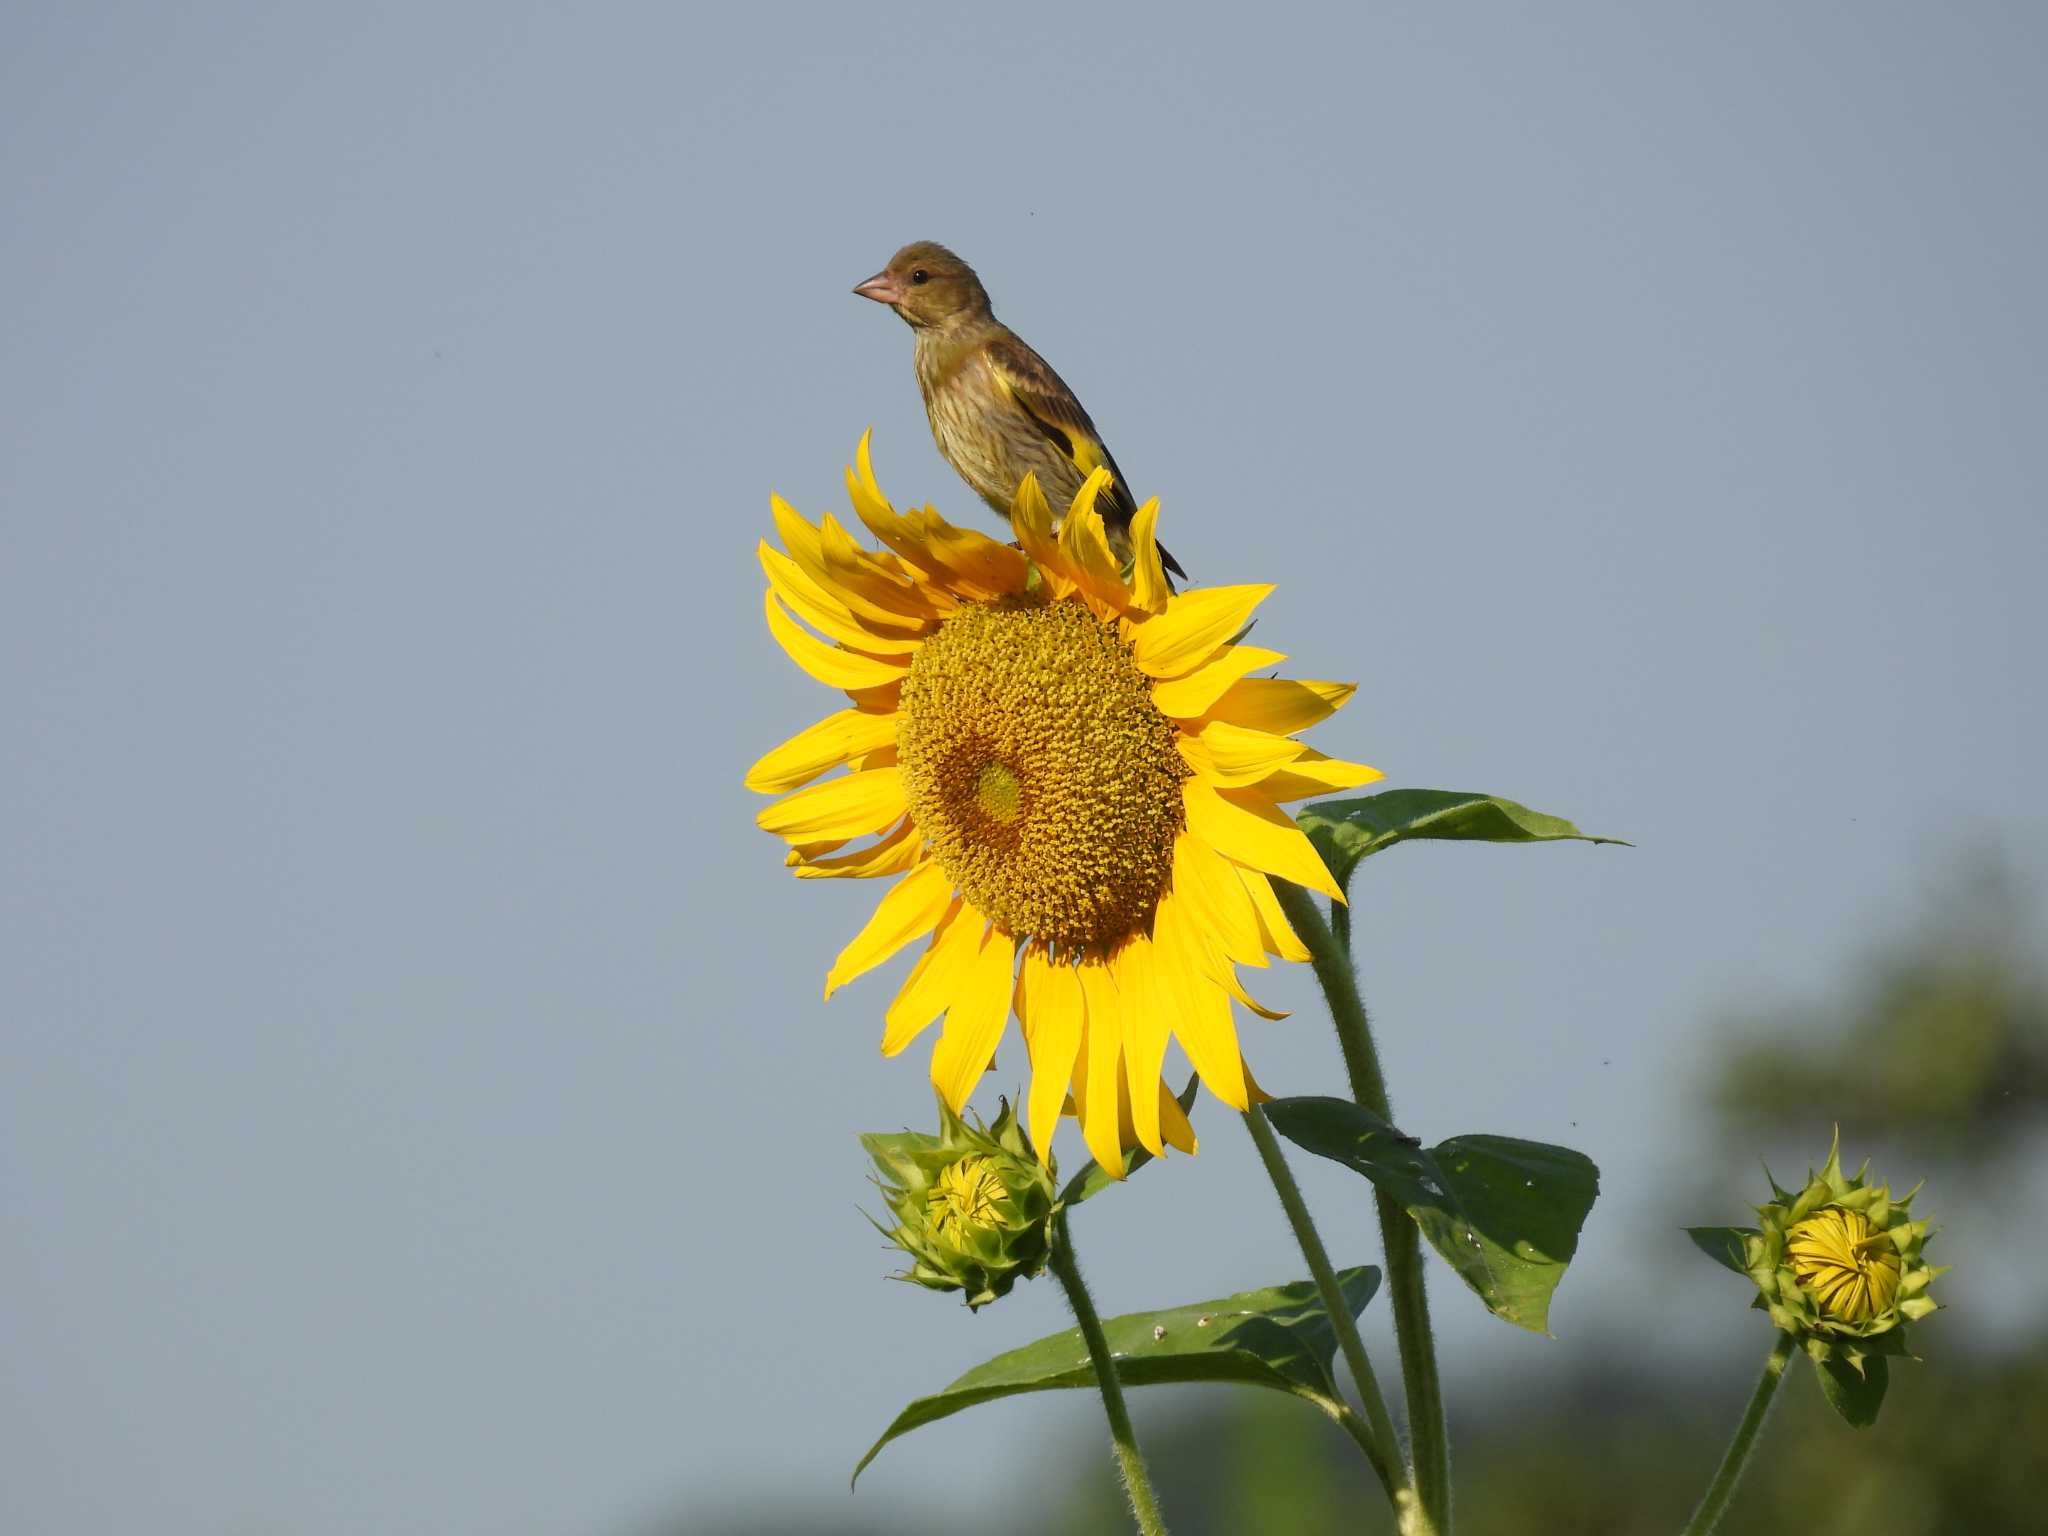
{"points": [[1235, 988], [1031, 518], [1230, 755], [893, 855], [978, 566], [848, 806], [806, 547], [797, 853], [1049, 1007], [796, 531], [783, 571], [882, 699], [1077, 1094], [1193, 626], [900, 534], [1282, 705], [1149, 589], [827, 615], [974, 1021], [1186, 698], [934, 979], [832, 741], [861, 482], [1257, 1094], [1086, 546], [848, 573], [1146, 1027], [1099, 1119], [910, 909], [1244, 825], [1125, 1134], [1276, 934], [833, 667], [867, 585], [1200, 1008], [1173, 1122], [1208, 882], [1314, 774]]}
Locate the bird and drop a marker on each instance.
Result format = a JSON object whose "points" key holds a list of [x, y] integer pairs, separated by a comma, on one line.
{"points": [[997, 409]]}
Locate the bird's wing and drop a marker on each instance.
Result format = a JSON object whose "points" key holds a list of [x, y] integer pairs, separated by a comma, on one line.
{"points": [[1054, 411]]}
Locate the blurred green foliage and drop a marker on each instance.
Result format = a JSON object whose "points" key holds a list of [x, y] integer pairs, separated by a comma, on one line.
{"points": [[1940, 1043], [1955, 1454]]}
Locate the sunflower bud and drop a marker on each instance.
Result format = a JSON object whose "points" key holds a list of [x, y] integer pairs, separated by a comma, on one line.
{"points": [[1838, 1264], [973, 1205]]}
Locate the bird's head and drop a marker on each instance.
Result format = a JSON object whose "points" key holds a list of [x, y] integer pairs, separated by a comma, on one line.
{"points": [[927, 285]]}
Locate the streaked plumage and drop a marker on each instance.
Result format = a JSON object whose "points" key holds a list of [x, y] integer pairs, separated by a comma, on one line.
{"points": [[997, 409]]}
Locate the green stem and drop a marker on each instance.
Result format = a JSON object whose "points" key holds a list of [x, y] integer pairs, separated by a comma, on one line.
{"points": [[1409, 1518], [1382, 1447], [1429, 1445], [1137, 1482], [1332, 960], [1729, 1473]]}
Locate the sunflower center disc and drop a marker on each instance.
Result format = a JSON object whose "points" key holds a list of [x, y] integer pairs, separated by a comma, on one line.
{"points": [[1040, 772]]}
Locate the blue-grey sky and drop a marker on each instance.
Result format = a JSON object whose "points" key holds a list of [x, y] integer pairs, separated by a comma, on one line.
{"points": [[417, 1111]]}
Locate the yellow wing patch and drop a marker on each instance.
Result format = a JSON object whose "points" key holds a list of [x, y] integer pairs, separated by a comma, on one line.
{"points": [[1081, 448]]}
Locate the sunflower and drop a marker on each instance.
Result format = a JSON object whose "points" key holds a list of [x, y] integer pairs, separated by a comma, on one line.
{"points": [[1074, 780]]}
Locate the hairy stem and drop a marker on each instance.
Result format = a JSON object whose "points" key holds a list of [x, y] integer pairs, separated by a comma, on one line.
{"points": [[1137, 1482], [1429, 1445], [1382, 1448]]}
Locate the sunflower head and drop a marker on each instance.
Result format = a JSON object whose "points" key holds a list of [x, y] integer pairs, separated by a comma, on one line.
{"points": [[1838, 1263], [972, 1206], [1074, 777]]}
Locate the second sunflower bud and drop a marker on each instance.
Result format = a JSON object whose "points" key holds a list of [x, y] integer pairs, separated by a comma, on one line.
{"points": [[972, 1206], [1838, 1265]]}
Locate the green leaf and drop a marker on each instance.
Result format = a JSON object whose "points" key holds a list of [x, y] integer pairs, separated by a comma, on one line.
{"points": [[1279, 1338], [1892, 1343], [1345, 831], [1504, 1213], [1093, 1178], [1855, 1395], [1724, 1245]]}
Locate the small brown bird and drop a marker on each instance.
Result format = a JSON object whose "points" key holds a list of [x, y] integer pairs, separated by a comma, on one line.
{"points": [[997, 409]]}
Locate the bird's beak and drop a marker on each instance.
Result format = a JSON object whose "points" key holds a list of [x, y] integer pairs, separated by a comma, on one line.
{"points": [[881, 288]]}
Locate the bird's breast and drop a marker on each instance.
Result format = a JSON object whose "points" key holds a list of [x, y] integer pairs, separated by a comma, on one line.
{"points": [[966, 411], [983, 430]]}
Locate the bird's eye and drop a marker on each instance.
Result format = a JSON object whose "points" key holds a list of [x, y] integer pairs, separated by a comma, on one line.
{"points": [[920, 276]]}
